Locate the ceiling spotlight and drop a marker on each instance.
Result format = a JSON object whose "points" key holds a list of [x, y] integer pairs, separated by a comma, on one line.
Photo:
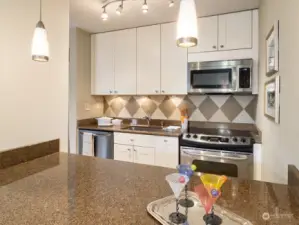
{"points": [[119, 9], [144, 7], [104, 15], [171, 3]]}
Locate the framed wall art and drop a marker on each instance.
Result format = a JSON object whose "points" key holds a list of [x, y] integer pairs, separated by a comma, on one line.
{"points": [[272, 53], [272, 99]]}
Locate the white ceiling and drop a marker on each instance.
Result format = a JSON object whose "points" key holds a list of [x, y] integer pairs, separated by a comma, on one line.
{"points": [[86, 14]]}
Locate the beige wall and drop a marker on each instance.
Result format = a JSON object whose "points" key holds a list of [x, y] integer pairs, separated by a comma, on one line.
{"points": [[280, 141], [33, 96], [83, 52], [82, 104]]}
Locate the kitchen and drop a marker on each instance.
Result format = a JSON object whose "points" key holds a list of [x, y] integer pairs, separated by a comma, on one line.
{"points": [[147, 103], [142, 79]]}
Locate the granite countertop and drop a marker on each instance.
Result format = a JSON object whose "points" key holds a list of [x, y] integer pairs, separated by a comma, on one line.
{"points": [[123, 129], [67, 189], [91, 124]]}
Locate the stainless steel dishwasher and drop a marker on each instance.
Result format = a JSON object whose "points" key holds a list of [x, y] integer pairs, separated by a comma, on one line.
{"points": [[103, 143]]}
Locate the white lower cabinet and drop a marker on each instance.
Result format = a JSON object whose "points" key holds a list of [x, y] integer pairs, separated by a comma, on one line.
{"points": [[144, 155], [146, 149], [167, 152], [123, 153]]}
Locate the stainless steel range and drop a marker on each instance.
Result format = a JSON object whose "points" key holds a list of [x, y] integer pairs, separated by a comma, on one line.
{"points": [[218, 151]]}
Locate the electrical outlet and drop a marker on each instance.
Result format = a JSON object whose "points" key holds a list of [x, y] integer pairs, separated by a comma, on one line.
{"points": [[87, 106]]}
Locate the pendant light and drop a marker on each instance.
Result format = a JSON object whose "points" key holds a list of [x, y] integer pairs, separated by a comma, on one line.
{"points": [[40, 44], [187, 25]]}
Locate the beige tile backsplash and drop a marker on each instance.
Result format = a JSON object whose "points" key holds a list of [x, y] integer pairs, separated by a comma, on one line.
{"points": [[213, 108]]}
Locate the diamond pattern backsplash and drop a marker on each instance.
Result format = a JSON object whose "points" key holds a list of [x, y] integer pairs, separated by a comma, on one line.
{"points": [[213, 108]]}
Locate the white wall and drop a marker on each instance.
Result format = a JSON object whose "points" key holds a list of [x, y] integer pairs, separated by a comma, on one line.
{"points": [[280, 141], [82, 104], [33, 96]]}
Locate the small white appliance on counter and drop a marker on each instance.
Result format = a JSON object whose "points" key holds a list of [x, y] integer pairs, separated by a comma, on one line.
{"points": [[104, 121], [229, 76]]}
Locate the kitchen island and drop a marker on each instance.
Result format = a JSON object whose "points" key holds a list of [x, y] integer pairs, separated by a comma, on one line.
{"points": [[70, 189]]}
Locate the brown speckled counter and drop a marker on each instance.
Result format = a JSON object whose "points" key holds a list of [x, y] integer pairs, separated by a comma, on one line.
{"points": [[91, 191], [123, 129]]}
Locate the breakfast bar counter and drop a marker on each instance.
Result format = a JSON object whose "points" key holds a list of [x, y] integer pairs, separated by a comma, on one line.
{"points": [[66, 189]]}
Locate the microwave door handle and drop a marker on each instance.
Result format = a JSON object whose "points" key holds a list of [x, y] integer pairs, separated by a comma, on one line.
{"points": [[244, 157]]}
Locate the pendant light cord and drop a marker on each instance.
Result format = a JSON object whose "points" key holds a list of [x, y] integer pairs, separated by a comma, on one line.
{"points": [[40, 10]]}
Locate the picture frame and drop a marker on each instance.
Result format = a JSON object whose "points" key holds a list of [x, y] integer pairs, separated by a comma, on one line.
{"points": [[272, 52], [272, 99]]}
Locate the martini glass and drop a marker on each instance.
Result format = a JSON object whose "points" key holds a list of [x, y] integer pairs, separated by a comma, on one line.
{"points": [[177, 183], [187, 170], [209, 192]]}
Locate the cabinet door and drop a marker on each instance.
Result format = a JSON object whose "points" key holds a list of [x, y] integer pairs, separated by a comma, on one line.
{"points": [[123, 152], [125, 62], [167, 152], [103, 64], [173, 62], [148, 60], [144, 155], [235, 31], [207, 35]]}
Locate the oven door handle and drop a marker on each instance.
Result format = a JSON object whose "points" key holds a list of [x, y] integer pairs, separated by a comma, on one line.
{"points": [[239, 158]]}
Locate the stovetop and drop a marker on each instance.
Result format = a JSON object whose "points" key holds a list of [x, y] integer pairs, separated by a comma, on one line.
{"points": [[217, 138]]}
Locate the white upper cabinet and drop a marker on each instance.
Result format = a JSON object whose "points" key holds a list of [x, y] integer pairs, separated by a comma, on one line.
{"points": [[207, 35], [235, 31], [125, 62], [173, 62], [148, 60], [102, 64]]}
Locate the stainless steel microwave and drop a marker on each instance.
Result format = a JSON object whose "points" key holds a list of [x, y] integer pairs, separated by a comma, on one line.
{"points": [[229, 76]]}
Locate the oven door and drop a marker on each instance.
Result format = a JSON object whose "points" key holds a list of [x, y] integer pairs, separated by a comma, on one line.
{"points": [[232, 164]]}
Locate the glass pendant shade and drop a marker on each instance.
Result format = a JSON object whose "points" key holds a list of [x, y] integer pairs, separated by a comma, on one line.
{"points": [[187, 31], [40, 44]]}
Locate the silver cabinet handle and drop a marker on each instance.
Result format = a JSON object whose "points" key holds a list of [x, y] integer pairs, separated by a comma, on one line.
{"points": [[135, 150], [115, 92], [214, 46], [110, 92], [157, 91], [131, 139], [221, 46], [165, 141], [129, 149], [163, 91]]}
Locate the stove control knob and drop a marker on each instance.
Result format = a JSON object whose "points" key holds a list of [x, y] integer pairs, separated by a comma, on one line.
{"points": [[195, 136], [243, 140], [188, 136], [235, 139]]}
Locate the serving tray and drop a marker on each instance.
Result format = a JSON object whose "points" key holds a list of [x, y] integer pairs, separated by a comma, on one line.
{"points": [[162, 208]]}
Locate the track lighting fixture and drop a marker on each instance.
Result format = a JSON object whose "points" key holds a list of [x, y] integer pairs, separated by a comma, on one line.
{"points": [[171, 3], [104, 14], [145, 7], [120, 8]]}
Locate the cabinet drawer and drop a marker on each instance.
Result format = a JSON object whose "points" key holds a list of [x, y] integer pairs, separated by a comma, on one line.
{"points": [[173, 141], [144, 140], [124, 138]]}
